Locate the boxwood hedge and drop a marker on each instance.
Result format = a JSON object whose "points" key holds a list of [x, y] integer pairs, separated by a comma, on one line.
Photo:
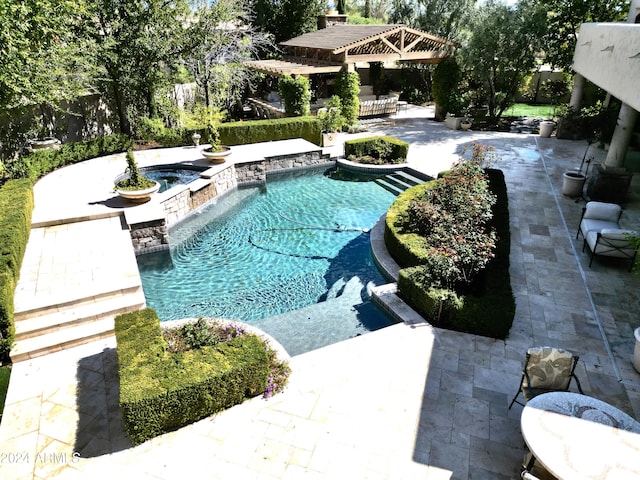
{"points": [[160, 392], [387, 149], [487, 307], [16, 205]]}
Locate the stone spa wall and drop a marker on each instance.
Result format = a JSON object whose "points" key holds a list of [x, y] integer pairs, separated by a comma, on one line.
{"points": [[151, 234]]}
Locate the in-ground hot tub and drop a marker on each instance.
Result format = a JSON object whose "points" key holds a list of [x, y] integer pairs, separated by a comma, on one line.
{"points": [[172, 174]]}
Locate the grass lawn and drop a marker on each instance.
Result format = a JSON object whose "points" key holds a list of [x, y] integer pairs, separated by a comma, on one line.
{"points": [[525, 110], [5, 373]]}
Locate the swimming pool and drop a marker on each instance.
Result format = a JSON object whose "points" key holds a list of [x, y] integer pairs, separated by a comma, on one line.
{"points": [[292, 258]]}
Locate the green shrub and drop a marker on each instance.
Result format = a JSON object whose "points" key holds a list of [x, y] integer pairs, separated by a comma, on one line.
{"points": [[160, 392], [486, 305], [254, 131], [295, 95], [16, 205], [385, 149], [40, 162], [347, 87], [150, 128], [446, 94]]}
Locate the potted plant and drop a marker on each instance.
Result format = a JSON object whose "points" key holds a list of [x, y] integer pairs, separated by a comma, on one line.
{"points": [[132, 185], [216, 153], [546, 128], [465, 124], [332, 121]]}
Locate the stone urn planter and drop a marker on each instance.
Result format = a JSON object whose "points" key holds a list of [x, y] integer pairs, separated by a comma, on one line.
{"points": [[196, 139], [573, 183], [139, 196], [546, 128], [465, 124], [44, 143], [217, 156]]}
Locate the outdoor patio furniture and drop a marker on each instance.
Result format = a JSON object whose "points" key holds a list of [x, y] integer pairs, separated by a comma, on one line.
{"points": [[546, 369], [611, 242], [600, 228], [575, 436], [599, 215]]}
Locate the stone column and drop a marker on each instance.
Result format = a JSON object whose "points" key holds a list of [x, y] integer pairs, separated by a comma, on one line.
{"points": [[626, 117], [621, 137], [576, 93]]}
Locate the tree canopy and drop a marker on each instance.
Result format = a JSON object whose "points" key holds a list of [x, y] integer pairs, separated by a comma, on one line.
{"points": [[564, 18], [502, 49]]}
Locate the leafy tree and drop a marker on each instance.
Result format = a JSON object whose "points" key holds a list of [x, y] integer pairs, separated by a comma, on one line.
{"points": [[223, 39], [564, 19], [286, 19], [138, 42], [41, 53], [445, 18], [502, 49]]}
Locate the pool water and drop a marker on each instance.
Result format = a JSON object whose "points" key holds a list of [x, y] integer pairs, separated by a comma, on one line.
{"points": [[292, 258], [170, 177]]}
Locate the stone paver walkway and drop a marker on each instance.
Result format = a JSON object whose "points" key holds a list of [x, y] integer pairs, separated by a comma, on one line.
{"points": [[405, 402]]}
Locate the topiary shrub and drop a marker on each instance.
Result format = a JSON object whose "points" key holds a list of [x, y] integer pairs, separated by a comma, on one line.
{"points": [[295, 94], [379, 150], [347, 87], [444, 89], [160, 392]]}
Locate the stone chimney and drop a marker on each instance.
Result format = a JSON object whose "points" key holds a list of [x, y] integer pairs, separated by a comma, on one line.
{"points": [[330, 18]]}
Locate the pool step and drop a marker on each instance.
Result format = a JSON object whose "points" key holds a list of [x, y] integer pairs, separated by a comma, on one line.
{"points": [[398, 182]]}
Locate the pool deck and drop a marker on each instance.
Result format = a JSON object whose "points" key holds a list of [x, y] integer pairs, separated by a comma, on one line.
{"points": [[405, 402]]}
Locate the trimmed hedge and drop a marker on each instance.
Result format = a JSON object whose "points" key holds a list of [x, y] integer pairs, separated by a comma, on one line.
{"points": [[371, 146], [254, 131], [161, 392], [40, 162], [488, 306], [16, 205]]}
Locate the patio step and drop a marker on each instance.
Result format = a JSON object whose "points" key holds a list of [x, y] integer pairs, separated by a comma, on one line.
{"points": [[54, 328]]}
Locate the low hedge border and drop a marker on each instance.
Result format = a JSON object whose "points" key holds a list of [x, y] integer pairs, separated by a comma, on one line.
{"points": [[38, 163], [255, 131], [489, 312], [161, 392], [16, 205], [369, 146]]}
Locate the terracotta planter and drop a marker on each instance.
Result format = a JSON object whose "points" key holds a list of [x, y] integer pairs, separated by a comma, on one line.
{"points": [[218, 156], [572, 184], [139, 196]]}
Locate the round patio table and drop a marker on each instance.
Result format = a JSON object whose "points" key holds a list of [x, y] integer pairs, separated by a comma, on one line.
{"points": [[579, 437]]}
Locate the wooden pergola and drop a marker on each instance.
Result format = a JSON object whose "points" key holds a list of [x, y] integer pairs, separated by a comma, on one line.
{"points": [[332, 49]]}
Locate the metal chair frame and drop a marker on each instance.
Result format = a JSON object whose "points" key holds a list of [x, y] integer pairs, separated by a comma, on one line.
{"points": [[525, 375]]}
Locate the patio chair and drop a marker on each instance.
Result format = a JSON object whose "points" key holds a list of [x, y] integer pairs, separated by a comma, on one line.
{"points": [[611, 242], [599, 215], [546, 369]]}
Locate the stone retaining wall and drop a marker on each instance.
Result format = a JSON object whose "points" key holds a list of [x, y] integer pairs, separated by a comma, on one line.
{"points": [[149, 236]]}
